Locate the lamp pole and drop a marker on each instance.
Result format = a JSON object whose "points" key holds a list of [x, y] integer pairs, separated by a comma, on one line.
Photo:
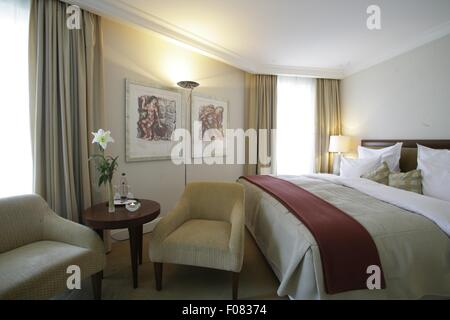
{"points": [[189, 85]]}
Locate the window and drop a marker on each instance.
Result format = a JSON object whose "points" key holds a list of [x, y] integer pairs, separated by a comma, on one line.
{"points": [[15, 136], [295, 141]]}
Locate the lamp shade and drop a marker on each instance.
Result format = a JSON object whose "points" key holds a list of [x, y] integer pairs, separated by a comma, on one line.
{"points": [[340, 144], [188, 84]]}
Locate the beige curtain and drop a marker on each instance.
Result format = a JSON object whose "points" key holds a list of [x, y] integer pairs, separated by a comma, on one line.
{"points": [[260, 113], [328, 119], [66, 103]]}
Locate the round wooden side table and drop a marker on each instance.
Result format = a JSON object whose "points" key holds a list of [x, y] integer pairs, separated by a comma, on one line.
{"points": [[98, 218]]}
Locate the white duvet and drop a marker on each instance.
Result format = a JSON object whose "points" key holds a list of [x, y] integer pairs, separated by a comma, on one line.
{"points": [[434, 209], [411, 233]]}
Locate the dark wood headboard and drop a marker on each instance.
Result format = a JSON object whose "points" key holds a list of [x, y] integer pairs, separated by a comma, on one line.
{"points": [[408, 161]]}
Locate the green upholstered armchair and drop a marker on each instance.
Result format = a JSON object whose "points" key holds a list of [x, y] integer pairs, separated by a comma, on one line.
{"points": [[37, 246], [206, 229]]}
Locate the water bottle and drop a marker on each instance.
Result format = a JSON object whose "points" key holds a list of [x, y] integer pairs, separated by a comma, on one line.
{"points": [[117, 193], [123, 187], [130, 194]]}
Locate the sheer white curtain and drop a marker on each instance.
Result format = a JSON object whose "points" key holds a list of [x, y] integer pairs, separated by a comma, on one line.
{"points": [[295, 141], [15, 137]]}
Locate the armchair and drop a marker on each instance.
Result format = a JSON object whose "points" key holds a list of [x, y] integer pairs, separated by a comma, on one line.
{"points": [[205, 229], [37, 246]]}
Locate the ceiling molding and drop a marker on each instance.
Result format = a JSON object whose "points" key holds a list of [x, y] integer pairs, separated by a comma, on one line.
{"points": [[310, 72], [426, 37], [119, 10]]}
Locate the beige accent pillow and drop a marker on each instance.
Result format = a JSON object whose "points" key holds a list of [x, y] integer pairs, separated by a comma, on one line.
{"points": [[409, 181], [380, 174]]}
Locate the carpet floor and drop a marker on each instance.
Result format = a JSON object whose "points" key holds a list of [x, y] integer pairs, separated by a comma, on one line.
{"points": [[257, 281]]}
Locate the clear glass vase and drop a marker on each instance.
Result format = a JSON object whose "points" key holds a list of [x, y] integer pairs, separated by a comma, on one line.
{"points": [[111, 207]]}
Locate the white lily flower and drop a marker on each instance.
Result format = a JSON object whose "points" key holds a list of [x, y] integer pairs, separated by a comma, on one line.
{"points": [[102, 137]]}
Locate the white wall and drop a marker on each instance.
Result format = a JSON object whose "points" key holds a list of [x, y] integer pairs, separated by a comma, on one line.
{"points": [[144, 56], [405, 97]]}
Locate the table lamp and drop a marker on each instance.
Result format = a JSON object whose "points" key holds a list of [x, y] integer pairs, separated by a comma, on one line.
{"points": [[339, 145]]}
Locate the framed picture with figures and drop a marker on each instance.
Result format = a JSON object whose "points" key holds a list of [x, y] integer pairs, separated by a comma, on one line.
{"points": [[153, 113], [208, 127]]}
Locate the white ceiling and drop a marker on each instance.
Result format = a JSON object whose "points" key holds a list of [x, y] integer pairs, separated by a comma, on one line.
{"points": [[324, 38]]}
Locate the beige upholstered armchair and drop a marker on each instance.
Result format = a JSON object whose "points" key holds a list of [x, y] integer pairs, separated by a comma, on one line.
{"points": [[206, 229], [37, 246]]}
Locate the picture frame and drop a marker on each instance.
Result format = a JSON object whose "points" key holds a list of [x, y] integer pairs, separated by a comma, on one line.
{"points": [[212, 117], [153, 112]]}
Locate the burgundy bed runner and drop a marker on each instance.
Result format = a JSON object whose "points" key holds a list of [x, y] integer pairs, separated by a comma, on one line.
{"points": [[346, 247]]}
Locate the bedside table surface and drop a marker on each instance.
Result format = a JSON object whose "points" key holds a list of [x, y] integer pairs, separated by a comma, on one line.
{"points": [[98, 217]]}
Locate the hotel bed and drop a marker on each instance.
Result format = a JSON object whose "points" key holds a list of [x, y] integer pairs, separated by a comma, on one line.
{"points": [[410, 231]]}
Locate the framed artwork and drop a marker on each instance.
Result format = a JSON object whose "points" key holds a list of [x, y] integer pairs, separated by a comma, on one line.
{"points": [[152, 115], [209, 124]]}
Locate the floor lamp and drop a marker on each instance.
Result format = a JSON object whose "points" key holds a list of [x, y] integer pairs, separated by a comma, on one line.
{"points": [[189, 85]]}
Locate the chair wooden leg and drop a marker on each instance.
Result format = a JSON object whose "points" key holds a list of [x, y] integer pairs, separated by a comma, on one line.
{"points": [[97, 285], [235, 285], [158, 275]]}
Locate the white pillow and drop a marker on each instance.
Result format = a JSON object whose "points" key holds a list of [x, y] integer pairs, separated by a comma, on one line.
{"points": [[390, 154], [355, 168], [440, 157], [435, 167]]}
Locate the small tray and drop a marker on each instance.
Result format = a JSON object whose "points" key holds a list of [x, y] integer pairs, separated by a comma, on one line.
{"points": [[123, 202]]}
